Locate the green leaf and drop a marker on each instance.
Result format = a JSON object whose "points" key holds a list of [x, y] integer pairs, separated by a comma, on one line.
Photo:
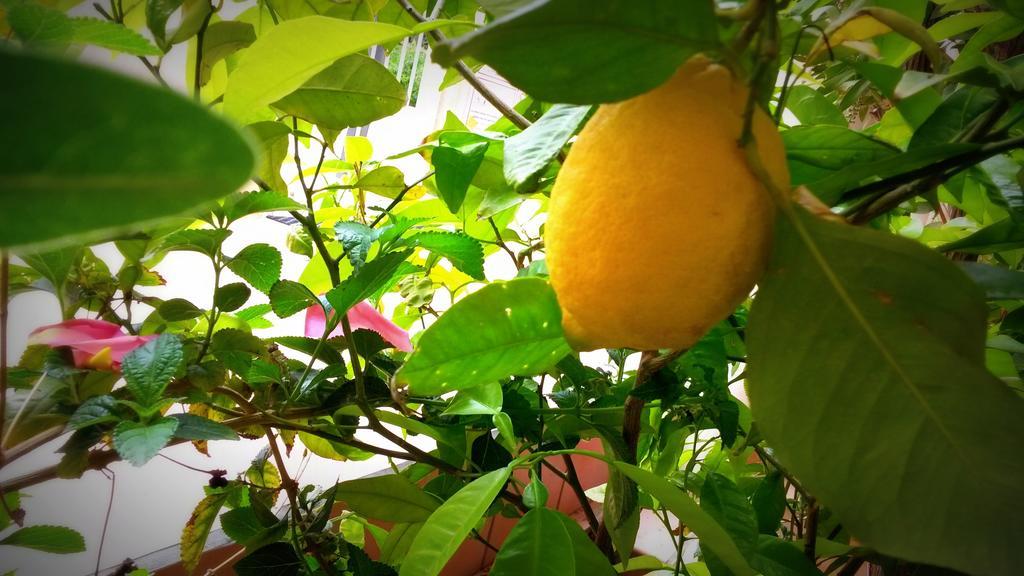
{"points": [[997, 282], [241, 524], [777, 557], [353, 91], [272, 140], [205, 241], [950, 118], [308, 346], [372, 276], [38, 25], [52, 539], [456, 162], [1007, 234], [177, 309], [244, 204], [288, 298], [197, 530], [158, 12], [816, 152], [355, 238], [386, 181], [139, 443], [538, 545], [284, 58], [588, 558], [769, 502], [230, 297], [55, 265], [578, 52], [483, 399], [277, 559], [258, 264], [712, 535], [895, 339], [390, 498], [443, 533], [516, 328], [396, 546], [112, 36], [168, 138], [149, 368], [530, 151], [221, 40], [95, 410], [833, 188], [812, 107], [463, 251], [193, 427], [723, 501]]}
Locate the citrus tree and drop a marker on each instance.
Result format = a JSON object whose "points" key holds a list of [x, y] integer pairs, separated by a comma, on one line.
{"points": [[818, 199]]}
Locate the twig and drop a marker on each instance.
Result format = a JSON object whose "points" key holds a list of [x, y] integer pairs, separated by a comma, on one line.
{"points": [[501, 244], [106, 522], [507, 111], [767, 457], [397, 199]]}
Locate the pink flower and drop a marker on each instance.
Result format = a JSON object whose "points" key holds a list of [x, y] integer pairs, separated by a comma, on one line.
{"points": [[94, 344], [362, 315]]}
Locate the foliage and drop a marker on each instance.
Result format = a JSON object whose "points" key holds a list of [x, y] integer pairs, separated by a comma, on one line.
{"points": [[881, 350]]}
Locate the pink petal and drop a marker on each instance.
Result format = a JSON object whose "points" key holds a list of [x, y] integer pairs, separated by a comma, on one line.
{"points": [[69, 332], [119, 346], [363, 315]]}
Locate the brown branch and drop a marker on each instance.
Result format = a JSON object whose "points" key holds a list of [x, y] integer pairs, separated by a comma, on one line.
{"points": [[811, 530], [5, 272], [650, 363]]}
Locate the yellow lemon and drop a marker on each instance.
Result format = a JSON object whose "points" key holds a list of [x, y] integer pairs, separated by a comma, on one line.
{"points": [[657, 229]]}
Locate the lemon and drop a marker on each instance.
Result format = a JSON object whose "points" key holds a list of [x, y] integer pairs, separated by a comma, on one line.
{"points": [[657, 229]]}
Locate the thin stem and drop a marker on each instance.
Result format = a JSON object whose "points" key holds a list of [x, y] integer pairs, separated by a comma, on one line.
{"points": [[197, 74], [581, 495], [507, 111], [901, 187], [106, 522], [397, 199], [767, 457], [145, 61], [17, 417], [501, 244]]}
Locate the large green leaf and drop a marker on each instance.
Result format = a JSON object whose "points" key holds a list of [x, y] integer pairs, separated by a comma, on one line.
{"points": [[538, 545], [118, 153], [149, 368], [816, 152], [221, 40], [516, 330], [277, 559], [891, 355], [139, 443], [372, 276], [724, 502], [390, 498], [712, 535], [585, 52], [588, 558], [812, 107], [353, 91], [462, 250], [442, 533], [258, 264], [456, 161], [52, 539], [530, 151], [282, 60], [288, 298]]}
